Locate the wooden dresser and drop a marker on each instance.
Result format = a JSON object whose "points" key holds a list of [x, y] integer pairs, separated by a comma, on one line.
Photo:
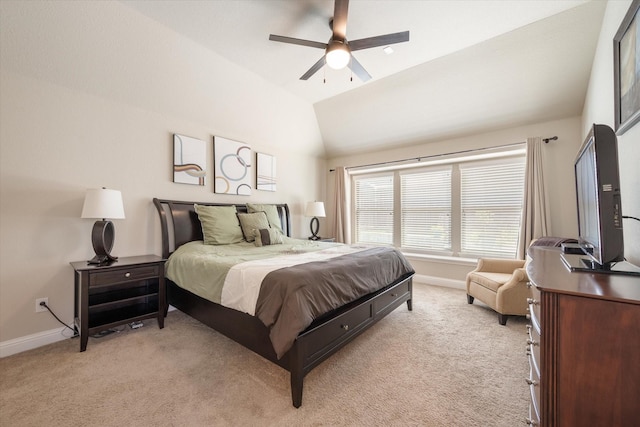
{"points": [[583, 346]]}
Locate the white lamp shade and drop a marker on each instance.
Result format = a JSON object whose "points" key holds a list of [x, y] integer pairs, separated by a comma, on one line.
{"points": [[315, 209], [338, 55], [103, 203]]}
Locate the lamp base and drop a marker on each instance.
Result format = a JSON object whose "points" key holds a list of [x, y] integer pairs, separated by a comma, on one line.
{"points": [[102, 237], [102, 260], [314, 226]]}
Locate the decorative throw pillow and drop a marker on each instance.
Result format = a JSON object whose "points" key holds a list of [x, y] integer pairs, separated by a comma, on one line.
{"points": [[251, 222], [220, 224], [268, 236], [272, 214]]}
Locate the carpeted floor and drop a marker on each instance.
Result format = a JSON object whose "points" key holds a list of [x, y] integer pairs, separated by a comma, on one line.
{"points": [[446, 363]]}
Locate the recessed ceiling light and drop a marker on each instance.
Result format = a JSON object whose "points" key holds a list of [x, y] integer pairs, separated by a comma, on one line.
{"points": [[388, 50]]}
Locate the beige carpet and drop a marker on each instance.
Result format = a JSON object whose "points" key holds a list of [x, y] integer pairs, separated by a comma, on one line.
{"points": [[444, 364]]}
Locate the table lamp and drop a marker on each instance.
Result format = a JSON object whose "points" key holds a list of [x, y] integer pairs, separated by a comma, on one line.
{"points": [[103, 203], [315, 210]]}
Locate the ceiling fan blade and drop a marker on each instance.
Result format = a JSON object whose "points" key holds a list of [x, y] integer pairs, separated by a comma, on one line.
{"points": [[379, 41], [313, 69], [300, 42], [359, 70], [339, 22]]}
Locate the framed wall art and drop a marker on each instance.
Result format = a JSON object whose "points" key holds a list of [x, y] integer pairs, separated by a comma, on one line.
{"points": [[265, 172], [189, 160], [232, 164], [626, 71]]}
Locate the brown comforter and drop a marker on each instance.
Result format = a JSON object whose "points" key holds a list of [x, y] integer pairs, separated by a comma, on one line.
{"points": [[291, 298]]}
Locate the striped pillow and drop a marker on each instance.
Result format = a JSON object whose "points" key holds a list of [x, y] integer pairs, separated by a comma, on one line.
{"points": [[268, 236]]}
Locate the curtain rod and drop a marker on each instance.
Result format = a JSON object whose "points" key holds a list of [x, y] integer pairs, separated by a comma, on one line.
{"points": [[546, 140]]}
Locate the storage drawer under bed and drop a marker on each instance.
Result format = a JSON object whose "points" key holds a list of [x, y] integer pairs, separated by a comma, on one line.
{"points": [[354, 320]]}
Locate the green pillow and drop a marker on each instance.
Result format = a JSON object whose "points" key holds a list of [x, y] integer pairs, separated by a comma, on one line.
{"points": [[268, 236], [249, 222], [220, 224], [272, 214]]}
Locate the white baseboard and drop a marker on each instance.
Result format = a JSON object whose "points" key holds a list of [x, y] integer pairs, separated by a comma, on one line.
{"points": [[439, 281], [28, 342]]}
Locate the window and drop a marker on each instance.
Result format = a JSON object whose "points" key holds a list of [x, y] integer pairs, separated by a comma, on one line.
{"points": [[462, 206], [374, 209], [426, 209], [491, 202]]}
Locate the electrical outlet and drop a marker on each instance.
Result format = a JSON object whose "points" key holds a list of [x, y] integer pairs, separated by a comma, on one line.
{"points": [[39, 307]]}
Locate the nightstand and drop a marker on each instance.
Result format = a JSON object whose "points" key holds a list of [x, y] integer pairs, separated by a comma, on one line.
{"points": [[125, 291]]}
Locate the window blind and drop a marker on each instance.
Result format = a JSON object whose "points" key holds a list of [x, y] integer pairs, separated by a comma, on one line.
{"points": [[426, 209], [374, 209], [491, 196]]}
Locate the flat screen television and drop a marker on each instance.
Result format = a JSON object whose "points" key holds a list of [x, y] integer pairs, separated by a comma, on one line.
{"points": [[599, 206]]}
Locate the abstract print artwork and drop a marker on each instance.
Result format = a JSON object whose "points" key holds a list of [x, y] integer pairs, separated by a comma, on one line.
{"points": [[266, 172], [189, 160], [232, 162]]}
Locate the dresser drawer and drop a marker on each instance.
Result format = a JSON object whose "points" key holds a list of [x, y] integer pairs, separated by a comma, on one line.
{"points": [[111, 277], [534, 307], [533, 348], [534, 389], [534, 417]]}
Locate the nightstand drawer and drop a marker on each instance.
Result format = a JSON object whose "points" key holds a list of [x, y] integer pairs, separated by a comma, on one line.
{"points": [[123, 275]]}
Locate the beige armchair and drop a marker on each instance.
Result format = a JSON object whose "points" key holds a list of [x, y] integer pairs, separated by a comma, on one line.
{"points": [[502, 285]]}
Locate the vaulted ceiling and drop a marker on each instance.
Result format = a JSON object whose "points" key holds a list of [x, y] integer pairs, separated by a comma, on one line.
{"points": [[469, 67]]}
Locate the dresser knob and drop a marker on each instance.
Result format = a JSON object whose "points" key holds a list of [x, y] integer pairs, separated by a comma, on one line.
{"points": [[532, 301], [394, 295], [531, 382], [530, 422], [529, 284], [127, 274], [532, 342], [345, 327]]}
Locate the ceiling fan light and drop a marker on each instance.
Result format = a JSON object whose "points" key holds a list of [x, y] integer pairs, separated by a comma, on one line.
{"points": [[338, 55]]}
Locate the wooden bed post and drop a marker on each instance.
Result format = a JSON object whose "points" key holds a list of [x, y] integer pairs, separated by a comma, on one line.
{"points": [[297, 374]]}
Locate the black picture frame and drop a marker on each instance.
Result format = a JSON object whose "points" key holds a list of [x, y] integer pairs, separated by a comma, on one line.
{"points": [[626, 74]]}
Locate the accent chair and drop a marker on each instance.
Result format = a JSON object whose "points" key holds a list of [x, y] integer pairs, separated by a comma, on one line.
{"points": [[502, 285]]}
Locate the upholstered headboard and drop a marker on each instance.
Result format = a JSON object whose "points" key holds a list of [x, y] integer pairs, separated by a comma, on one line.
{"points": [[179, 221]]}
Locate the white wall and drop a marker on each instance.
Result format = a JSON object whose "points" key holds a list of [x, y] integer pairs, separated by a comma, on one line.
{"points": [[599, 108], [558, 167], [91, 93]]}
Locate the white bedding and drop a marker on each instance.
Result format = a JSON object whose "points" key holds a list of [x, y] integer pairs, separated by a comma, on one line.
{"points": [[242, 283]]}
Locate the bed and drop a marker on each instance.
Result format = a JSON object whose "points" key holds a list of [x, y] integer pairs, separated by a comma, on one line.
{"points": [[324, 336]]}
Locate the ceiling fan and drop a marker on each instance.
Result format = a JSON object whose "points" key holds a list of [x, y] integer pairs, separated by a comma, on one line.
{"points": [[338, 51]]}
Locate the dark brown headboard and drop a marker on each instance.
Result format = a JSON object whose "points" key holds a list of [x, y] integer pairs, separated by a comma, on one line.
{"points": [[180, 224]]}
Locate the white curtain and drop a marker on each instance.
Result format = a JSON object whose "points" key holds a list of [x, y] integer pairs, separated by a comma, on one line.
{"points": [[535, 216], [342, 228]]}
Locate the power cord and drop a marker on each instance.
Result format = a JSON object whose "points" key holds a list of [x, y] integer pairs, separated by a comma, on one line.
{"points": [[630, 217], [106, 332], [44, 304], [133, 325]]}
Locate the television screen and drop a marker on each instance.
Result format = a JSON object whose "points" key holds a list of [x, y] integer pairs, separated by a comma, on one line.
{"points": [[599, 207], [587, 196]]}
